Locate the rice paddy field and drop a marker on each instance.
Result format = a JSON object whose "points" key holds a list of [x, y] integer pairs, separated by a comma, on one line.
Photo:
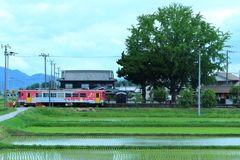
{"points": [[122, 133]]}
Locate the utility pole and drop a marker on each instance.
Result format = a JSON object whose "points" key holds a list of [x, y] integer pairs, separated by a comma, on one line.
{"points": [[199, 81], [6, 54], [58, 72], [51, 62], [227, 67], [44, 55], [5, 74], [54, 84]]}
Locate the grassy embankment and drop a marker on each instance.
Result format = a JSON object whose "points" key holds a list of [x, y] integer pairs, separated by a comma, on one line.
{"points": [[125, 122], [3, 110]]}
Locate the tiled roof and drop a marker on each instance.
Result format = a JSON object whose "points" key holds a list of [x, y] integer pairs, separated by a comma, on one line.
{"points": [[83, 75], [217, 89]]}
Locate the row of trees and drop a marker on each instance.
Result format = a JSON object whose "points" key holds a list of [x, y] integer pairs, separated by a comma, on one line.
{"points": [[186, 97], [38, 85], [163, 50]]}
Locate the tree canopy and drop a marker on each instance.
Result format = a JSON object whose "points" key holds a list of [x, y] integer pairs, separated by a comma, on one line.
{"points": [[163, 49]]}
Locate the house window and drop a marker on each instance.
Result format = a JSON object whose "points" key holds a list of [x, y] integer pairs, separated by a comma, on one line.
{"points": [[85, 86], [67, 94], [68, 85], [83, 95], [75, 94], [38, 94]]}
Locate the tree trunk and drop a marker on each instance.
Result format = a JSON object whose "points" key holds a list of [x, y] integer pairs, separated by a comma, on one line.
{"points": [[144, 92]]}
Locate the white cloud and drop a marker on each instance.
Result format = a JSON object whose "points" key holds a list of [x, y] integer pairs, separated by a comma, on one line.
{"points": [[217, 17], [89, 29], [116, 41], [18, 63]]}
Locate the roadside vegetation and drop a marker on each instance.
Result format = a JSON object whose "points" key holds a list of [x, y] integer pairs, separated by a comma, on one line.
{"points": [[3, 110]]}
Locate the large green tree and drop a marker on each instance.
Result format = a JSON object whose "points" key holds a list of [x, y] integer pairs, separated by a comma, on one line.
{"points": [[164, 47]]}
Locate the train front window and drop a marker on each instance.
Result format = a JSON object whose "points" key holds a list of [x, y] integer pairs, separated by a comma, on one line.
{"points": [[97, 95]]}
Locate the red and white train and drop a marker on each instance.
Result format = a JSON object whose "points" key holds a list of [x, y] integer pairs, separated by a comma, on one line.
{"points": [[65, 97]]}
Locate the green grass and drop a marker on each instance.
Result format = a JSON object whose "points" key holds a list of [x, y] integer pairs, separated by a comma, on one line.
{"points": [[3, 110], [137, 122], [139, 130]]}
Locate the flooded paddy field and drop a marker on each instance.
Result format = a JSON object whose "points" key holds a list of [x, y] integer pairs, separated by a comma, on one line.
{"points": [[126, 154], [62, 133], [124, 141]]}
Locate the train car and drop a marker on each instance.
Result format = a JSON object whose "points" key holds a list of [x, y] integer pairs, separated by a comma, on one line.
{"points": [[64, 97]]}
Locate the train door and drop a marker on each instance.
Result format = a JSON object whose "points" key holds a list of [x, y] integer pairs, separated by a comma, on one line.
{"points": [[97, 98], [29, 98]]}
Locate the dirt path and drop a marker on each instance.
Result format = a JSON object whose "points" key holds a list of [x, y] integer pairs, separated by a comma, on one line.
{"points": [[13, 114]]}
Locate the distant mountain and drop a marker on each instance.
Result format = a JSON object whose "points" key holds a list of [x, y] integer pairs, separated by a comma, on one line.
{"points": [[17, 79]]}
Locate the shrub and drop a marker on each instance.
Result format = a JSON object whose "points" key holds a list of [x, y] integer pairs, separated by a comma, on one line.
{"points": [[108, 98], [186, 98], [234, 92], [160, 95], [208, 98], [137, 98]]}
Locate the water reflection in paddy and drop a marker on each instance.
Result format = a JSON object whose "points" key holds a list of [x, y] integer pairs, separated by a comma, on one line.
{"points": [[128, 141]]}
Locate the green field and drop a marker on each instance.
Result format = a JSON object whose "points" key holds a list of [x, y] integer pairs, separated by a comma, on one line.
{"points": [[123, 122]]}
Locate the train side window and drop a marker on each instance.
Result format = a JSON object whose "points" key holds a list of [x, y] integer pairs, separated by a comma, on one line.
{"points": [[45, 94], [53, 95], [67, 94], [75, 94], [60, 95], [83, 95], [28, 95], [19, 94], [38, 94]]}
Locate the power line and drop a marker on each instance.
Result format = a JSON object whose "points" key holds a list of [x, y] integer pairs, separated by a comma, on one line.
{"points": [[73, 56]]}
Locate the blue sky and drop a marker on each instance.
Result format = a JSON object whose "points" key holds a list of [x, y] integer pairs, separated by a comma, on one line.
{"points": [[90, 35]]}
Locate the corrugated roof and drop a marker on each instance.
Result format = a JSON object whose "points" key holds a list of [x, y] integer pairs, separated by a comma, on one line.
{"points": [[83, 75]]}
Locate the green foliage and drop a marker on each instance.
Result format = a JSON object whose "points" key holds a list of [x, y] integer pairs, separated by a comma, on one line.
{"points": [[186, 98], [114, 97], [108, 98], [129, 95], [234, 93], [208, 98], [137, 98], [164, 47], [160, 95]]}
